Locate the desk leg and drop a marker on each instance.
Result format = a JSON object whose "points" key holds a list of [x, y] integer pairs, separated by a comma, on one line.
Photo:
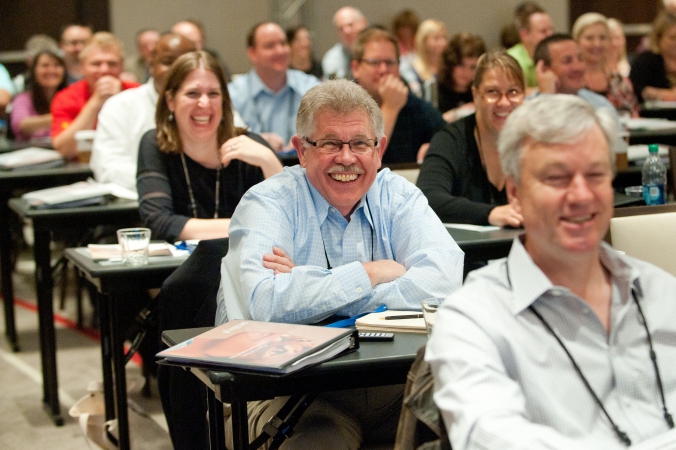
{"points": [[43, 284], [118, 370], [240, 426], [6, 270], [106, 354], [216, 422]]}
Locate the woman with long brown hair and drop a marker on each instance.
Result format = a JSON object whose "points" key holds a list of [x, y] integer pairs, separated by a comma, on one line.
{"points": [[194, 168]]}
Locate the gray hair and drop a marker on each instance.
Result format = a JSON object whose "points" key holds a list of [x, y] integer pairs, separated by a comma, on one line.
{"points": [[552, 119], [340, 97]]}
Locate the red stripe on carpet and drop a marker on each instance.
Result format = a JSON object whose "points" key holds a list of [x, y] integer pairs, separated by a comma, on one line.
{"points": [[71, 324]]}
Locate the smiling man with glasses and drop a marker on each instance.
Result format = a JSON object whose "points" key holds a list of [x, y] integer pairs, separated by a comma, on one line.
{"points": [[332, 238], [410, 121]]}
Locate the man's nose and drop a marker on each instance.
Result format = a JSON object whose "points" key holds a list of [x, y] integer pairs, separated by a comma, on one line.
{"points": [[579, 190], [345, 154]]}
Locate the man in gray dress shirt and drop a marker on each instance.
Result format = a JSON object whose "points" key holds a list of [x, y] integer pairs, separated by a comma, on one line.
{"points": [[552, 346]]}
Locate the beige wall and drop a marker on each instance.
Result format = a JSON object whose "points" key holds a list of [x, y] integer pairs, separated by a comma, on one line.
{"points": [[227, 21]]}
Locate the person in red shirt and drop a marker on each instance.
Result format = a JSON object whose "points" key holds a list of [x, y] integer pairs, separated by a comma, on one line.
{"points": [[76, 107]]}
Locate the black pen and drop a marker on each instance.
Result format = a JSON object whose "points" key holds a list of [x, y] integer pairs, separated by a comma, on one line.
{"points": [[407, 316]]}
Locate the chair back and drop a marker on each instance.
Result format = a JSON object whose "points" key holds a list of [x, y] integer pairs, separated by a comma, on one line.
{"points": [[649, 237]]}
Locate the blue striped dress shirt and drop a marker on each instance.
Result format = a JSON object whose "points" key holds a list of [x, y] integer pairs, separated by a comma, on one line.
{"points": [[288, 212]]}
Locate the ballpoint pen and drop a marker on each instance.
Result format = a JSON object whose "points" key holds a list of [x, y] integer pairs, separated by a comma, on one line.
{"points": [[407, 316]]}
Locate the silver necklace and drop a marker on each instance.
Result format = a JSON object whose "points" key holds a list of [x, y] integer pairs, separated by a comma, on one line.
{"points": [[217, 194]]}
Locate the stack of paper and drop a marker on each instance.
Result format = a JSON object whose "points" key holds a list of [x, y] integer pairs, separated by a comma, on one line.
{"points": [[101, 252], [387, 321], [28, 157]]}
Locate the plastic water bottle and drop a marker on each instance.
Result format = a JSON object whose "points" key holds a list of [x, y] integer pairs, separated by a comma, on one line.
{"points": [[654, 178]]}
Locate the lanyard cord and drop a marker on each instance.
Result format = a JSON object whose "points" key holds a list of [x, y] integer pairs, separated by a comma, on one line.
{"points": [[328, 264], [653, 357], [217, 194]]}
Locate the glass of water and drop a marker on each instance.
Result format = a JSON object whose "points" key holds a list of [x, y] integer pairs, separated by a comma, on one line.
{"points": [[134, 243]]}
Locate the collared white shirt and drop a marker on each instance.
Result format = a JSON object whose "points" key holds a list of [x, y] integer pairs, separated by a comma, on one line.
{"points": [[503, 382]]}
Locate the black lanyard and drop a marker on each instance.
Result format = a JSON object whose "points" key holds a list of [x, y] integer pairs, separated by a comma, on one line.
{"points": [[328, 264], [621, 435]]}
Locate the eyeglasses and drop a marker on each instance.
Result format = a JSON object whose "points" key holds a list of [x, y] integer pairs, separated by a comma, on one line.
{"points": [[74, 41], [330, 146], [377, 62], [494, 96]]}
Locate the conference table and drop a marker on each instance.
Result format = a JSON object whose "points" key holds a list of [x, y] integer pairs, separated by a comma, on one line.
{"points": [[11, 182], [46, 221], [373, 364]]}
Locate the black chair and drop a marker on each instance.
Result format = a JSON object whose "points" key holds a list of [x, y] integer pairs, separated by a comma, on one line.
{"points": [[188, 300]]}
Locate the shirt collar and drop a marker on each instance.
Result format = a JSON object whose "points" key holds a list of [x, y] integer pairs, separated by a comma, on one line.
{"points": [[257, 86], [322, 205], [528, 282], [152, 92]]}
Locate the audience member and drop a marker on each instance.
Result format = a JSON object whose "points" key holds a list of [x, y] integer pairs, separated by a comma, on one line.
{"points": [[565, 343], [6, 90], [653, 73], [34, 45], [126, 117], [301, 52], [194, 30], [430, 39], [31, 118], [345, 240], [349, 23], [592, 34], [139, 65], [461, 174], [617, 51], [194, 148], [534, 25], [410, 121], [456, 73], [404, 27], [76, 107], [268, 96], [73, 39]]}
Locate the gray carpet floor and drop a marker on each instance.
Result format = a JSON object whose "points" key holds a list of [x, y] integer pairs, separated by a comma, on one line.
{"points": [[23, 423]]}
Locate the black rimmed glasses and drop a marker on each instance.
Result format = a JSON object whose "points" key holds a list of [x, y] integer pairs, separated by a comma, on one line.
{"points": [[331, 146], [494, 95]]}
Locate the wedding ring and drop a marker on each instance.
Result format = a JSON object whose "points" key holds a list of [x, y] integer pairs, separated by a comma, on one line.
{"points": [[232, 147]]}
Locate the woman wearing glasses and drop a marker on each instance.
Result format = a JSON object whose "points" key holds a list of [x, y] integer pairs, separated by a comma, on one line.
{"points": [[194, 168], [461, 174]]}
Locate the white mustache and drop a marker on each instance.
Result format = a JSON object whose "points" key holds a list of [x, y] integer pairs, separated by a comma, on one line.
{"points": [[338, 168]]}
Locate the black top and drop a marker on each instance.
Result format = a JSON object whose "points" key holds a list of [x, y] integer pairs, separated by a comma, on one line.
{"points": [[164, 201], [648, 70], [416, 123], [453, 178], [450, 99]]}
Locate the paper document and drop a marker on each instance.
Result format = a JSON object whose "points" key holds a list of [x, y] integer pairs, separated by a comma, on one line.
{"points": [[100, 252], [643, 123], [638, 152], [28, 157], [466, 226]]}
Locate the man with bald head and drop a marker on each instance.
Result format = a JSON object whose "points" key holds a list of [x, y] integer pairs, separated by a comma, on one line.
{"points": [[73, 39], [268, 96], [349, 23], [127, 116]]}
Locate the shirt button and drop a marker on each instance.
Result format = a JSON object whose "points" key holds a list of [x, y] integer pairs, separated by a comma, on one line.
{"points": [[347, 232], [324, 307], [627, 403], [358, 290]]}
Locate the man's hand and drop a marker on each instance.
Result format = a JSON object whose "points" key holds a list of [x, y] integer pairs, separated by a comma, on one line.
{"points": [[106, 87], [547, 80], [275, 141], [422, 151], [393, 93], [383, 271], [278, 261], [502, 216]]}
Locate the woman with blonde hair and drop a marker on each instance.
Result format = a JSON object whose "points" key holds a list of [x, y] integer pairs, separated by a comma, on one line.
{"points": [[430, 40], [196, 166], [592, 33], [653, 73], [461, 174], [617, 52]]}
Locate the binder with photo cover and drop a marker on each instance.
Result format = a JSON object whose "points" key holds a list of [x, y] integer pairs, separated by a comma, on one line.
{"points": [[262, 347]]}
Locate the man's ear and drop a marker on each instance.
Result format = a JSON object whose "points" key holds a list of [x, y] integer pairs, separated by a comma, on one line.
{"points": [[354, 65], [512, 190], [298, 144]]}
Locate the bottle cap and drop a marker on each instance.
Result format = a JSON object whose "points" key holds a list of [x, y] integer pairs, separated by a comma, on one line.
{"points": [[653, 148]]}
